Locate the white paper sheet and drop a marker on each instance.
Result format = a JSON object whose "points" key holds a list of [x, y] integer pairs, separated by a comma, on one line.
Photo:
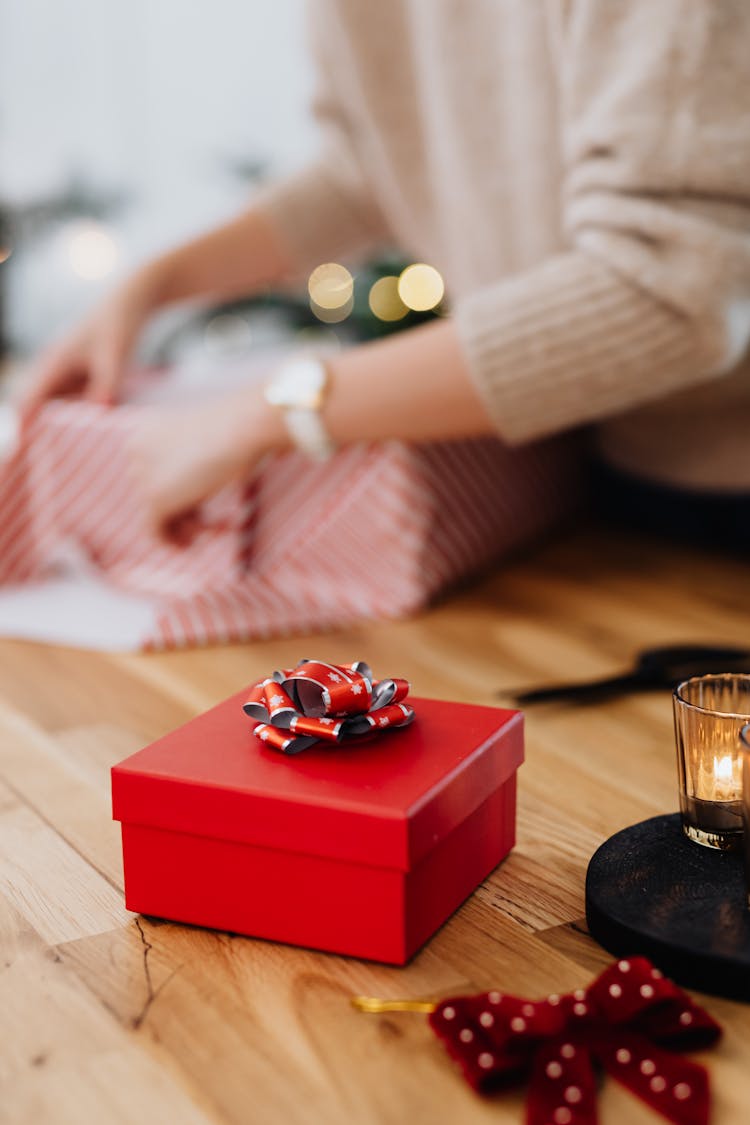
{"points": [[77, 610]]}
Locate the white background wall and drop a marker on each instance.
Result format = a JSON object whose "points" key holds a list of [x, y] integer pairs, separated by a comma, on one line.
{"points": [[148, 93], [154, 97]]}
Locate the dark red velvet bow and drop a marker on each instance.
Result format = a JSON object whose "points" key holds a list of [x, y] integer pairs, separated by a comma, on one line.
{"points": [[624, 1021], [325, 702]]}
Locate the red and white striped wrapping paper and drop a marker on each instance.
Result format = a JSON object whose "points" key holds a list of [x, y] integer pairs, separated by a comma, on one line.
{"points": [[374, 532]]}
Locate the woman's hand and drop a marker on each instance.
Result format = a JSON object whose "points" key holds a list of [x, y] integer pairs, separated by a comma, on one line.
{"points": [[183, 455], [234, 259], [91, 361]]}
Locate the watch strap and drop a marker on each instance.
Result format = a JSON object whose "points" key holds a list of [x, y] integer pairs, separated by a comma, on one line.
{"points": [[306, 429]]}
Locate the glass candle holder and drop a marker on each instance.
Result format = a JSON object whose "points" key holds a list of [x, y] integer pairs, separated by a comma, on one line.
{"points": [[745, 740], [709, 714]]}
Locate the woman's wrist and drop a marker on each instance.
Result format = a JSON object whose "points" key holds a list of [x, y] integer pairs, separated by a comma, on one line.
{"points": [[255, 427], [156, 280]]}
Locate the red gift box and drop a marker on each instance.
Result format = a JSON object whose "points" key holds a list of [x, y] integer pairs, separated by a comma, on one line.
{"points": [[363, 849]]}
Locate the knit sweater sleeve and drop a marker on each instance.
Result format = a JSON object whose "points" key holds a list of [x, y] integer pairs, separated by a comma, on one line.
{"points": [[326, 208], [653, 293]]}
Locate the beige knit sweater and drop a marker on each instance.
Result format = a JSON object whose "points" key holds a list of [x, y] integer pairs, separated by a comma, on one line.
{"points": [[579, 171]]}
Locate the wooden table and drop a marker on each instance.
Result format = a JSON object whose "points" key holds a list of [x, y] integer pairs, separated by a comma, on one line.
{"points": [[105, 1017]]}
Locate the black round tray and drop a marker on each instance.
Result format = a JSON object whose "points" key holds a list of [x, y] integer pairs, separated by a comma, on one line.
{"points": [[651, 891]]}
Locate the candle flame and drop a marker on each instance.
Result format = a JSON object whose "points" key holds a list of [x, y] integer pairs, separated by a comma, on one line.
{"points": [[723, 769]]}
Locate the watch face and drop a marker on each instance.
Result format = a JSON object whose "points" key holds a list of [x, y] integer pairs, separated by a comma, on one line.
{"points": [[299, 383]]}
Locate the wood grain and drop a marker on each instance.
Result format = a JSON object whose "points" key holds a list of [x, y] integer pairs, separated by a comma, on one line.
{"points": [[109, 1018]]}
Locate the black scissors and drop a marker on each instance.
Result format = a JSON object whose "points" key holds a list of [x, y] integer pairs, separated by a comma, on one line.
{"points": [[661, 667]]}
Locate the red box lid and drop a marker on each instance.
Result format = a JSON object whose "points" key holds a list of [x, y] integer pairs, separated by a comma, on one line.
{"points": [[385, 802]]}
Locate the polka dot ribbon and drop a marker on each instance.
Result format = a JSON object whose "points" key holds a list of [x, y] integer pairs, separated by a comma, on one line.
{"points": [[630, 1021], [318, 702]]}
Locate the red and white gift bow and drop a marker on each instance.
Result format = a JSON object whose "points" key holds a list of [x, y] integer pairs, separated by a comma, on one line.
{"points": [[631, 1020], [325, 702]]}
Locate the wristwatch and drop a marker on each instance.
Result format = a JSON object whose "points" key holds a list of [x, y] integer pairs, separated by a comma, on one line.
{"points": [[299, 388]]}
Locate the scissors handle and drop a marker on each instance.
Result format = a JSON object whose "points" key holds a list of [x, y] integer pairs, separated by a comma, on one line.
{"points": [[592, 690]]}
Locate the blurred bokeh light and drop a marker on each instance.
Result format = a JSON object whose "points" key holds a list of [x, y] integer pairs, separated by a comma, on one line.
{"points": [[330, 286], [385, 301], [227, 331], [421, 287], [91, 249], [332, 316], [331, 289]]}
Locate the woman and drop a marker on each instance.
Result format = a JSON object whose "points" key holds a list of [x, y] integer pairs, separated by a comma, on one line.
{"points": [[578, 171]]}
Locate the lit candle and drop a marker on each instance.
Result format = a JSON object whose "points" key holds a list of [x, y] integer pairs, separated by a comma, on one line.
{"points": [[709, 712], [745, 758], [717, 777], [726, 786]]}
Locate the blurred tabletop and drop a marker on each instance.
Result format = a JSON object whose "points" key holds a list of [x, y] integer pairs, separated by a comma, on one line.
{"points": [[108, 1017]]}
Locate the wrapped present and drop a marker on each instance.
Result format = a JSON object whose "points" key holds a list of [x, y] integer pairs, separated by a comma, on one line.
{"points": [[361, 845], [376, 531], [70, 482]]}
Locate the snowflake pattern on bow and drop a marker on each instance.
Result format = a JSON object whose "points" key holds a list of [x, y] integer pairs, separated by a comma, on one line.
{"points": [[331, 703]]}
